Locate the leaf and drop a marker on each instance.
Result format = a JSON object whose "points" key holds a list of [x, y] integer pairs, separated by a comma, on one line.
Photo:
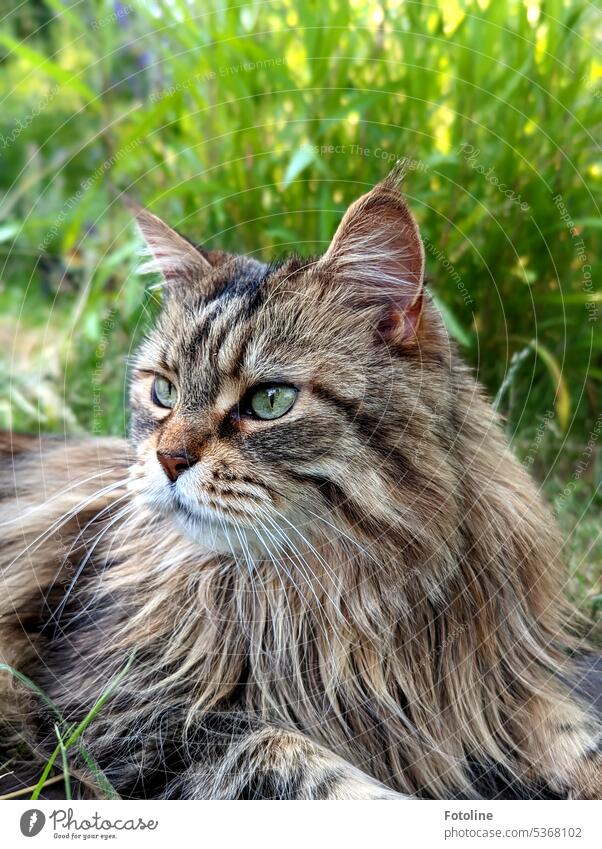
{"points": [[63, 751], [452, 323], [299, 162], [44, 65], [8, 231], [562, 397]]}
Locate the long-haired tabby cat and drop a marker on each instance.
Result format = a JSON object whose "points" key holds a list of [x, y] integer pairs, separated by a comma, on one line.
{"points": [[333, 577]]}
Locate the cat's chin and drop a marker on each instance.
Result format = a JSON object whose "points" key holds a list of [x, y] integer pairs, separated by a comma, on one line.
{"points": [[202, 525], [210, 530]]}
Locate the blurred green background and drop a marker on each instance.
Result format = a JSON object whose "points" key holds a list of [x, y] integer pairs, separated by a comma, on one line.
{"points": [[252, 127]]}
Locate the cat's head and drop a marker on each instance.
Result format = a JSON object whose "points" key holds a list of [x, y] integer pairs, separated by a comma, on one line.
{"points": [[292, 394]]}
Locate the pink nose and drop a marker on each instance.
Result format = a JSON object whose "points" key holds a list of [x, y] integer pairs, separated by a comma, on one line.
{"points": [[175, 464]]}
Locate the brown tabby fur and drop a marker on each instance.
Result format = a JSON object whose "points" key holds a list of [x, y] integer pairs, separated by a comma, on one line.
{"points": [[360, 599]]}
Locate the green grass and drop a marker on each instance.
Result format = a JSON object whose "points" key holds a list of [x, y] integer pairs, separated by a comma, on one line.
{"points": [[252, 127], [70, 737]]}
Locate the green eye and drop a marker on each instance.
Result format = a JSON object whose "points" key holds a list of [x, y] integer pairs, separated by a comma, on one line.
{"points": [[271, 402], [164, 393]]}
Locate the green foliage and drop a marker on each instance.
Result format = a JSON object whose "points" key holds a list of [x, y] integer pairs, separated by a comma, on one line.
{"points": [[70, 735], [252, 127]]}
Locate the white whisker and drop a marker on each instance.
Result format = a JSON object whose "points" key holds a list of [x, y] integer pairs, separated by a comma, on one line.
{"points": [[64, 518], [121, 513]]}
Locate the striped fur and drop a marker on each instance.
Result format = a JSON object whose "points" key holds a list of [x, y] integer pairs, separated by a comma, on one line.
{"points": [[362, 599]]}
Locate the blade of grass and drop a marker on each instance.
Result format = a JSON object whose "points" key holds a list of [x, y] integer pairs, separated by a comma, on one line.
{"points": [[72, 735], [24, 790], [101, 779], [65, 763], [100, 703], [43, 780], [27, 682], [562, 397], [83, 724]]}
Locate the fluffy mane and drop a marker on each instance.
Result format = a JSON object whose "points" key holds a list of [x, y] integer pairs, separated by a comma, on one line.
{"points": [[385, 579]]}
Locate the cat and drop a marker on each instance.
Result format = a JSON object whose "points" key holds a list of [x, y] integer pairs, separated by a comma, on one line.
{"points": [[330, 577]]}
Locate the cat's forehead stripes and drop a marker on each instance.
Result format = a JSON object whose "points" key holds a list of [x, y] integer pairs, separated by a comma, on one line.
{"points": [[235, 296], [205, 341], [246, 278]]}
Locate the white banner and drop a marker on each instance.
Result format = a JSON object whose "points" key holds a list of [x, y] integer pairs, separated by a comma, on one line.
{"points": [[311, 824]]}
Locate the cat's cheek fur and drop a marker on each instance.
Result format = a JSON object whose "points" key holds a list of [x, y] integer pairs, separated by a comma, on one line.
{"points": [[152, 488]]}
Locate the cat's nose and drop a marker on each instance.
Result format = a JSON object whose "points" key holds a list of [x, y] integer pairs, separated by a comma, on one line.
{"points": [[175, 464]]}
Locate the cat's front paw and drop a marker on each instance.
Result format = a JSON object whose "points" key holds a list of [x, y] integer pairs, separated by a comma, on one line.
{"points": [[351, 783], [587, 779]]}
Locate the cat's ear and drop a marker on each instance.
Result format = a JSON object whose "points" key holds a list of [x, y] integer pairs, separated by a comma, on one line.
{"points": [[168, 253], [377, 259]]}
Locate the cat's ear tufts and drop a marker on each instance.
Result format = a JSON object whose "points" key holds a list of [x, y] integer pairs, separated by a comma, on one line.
{"points": [[167, 252], [377, 259]]}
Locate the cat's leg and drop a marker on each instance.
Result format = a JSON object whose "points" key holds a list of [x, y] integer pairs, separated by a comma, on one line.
{"points": [[587, 775], [564, 748], [576, 758], [587, 685], [572, 764], [273, 763]]}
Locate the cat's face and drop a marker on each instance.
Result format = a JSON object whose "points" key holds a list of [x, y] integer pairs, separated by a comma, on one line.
{"points": [[269, 398]]}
